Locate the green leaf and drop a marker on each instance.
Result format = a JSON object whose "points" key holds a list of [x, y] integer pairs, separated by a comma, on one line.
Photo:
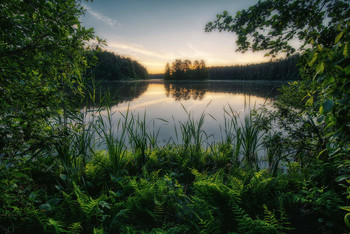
{"points": [[346, 220], [313, 60], [321, 110], [337, 39], [63, 177], [320, 68], [327, 105], [321, 153], [310, 101], [341, 178], [345, 52], [321, 118], [347, 70]]}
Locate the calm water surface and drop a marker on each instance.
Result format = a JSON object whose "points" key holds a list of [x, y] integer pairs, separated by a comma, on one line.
{"points": [[167, 104]]}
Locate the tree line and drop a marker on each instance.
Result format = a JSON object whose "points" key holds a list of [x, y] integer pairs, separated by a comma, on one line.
{"points": [[186, 70], [110, 67], [283, 69]]}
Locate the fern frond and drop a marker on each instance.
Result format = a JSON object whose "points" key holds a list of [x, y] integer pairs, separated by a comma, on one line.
{"points": [[58, 227], [158, 213], [75, 228]]}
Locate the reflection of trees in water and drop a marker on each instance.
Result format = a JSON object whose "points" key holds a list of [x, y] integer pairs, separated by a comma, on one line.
{"points": [[184, 91], [264, 89], [197, 90], [121, 91], [127, 91]]}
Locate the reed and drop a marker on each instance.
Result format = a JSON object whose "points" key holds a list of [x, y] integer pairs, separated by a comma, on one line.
{"points": [[245, 136], [75, 138], [232, 133], [115, 144], [193, 136]]}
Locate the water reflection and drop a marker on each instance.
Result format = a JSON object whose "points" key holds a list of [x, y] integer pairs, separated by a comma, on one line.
{"points": [[122, 92], [125, 91], [184, 91], [197, 90], [167, 104]]}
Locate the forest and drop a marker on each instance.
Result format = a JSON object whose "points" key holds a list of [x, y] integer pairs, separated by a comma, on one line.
{"points": [[282, 69], [111, 67], [186, 70], [64, 170]]}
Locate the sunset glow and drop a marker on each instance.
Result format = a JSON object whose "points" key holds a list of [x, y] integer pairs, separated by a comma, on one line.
{"points": [[157, 32]]}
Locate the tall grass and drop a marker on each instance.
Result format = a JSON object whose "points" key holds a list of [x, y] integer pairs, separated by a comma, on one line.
{"points": [[245, 136], [241, 138], [132, 137], [75, 137], [75, 132], [138, 136], [251, 142], [231, 134], [114, 144], [193, 136]]}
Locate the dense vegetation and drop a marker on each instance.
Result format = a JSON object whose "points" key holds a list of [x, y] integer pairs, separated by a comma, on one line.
{"points": [[55, 178], [111, 67], [321, 100], [282, 69], [186, 70]]}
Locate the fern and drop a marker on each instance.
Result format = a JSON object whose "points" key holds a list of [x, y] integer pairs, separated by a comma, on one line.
{"points": [[86, 203], [84, 210], [57, 226], [270, 217], [248, 225], [280, 223], [75, 228], [98, 231], [158, 212]]}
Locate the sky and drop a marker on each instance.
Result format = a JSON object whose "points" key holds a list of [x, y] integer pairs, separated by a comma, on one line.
{"points": [[156, 32]]}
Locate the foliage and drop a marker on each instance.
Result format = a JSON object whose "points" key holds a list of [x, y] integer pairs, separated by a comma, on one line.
{"points": [[272, 25], [188, 186], [322, 28], [281, 69], [163, 193], [111, 67], [185, 70], [42, 57]]}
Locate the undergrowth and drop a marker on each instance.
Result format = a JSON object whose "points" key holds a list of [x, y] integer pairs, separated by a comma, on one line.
{"points": [[97, 181]]}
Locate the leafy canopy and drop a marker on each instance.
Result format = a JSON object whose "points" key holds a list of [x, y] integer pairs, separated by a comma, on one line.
{"points": [[42, 57], [273, 24], [319, 29]]}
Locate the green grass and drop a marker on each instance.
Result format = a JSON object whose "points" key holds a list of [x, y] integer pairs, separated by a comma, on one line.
{"points": [[189, 185]]}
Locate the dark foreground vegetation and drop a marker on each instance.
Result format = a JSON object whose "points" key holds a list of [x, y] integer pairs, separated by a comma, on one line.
{"points": [[55, 178], [282, 69]]}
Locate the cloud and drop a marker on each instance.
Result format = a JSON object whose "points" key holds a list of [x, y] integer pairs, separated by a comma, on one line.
{"points": [[208, 57], [153, 64], [139, 49], [99, 16]]}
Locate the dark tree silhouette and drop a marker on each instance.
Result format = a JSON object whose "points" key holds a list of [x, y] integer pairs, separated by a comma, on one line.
{"points": [[114, 67], [186, 70], [284, 69]]}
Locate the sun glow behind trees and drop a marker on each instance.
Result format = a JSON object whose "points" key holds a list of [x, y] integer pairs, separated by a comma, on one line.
{"points": [[186, 70]]}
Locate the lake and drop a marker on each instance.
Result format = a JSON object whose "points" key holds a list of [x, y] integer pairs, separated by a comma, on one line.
{"points": [[167, 104]]}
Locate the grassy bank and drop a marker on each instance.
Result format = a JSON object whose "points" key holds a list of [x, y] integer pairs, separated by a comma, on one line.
{"points": [[134, 186]]}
